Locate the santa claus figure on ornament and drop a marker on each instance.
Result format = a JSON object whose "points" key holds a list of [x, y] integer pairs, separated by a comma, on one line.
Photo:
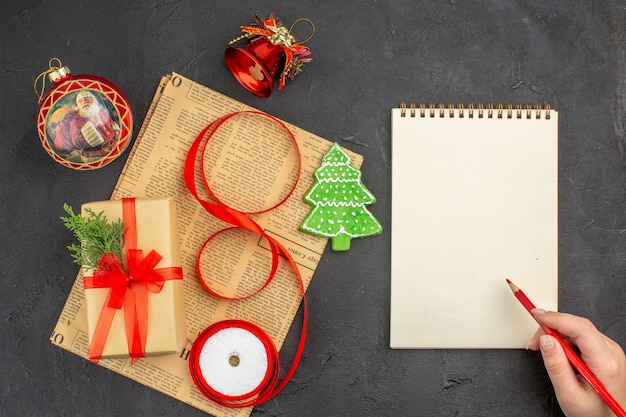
{"points": [[87, 130]]}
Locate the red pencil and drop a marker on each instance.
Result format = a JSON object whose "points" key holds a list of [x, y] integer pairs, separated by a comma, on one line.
{"points": [[572, 356]]}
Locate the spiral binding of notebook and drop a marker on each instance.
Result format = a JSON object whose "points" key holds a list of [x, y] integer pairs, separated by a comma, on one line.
{"points": [[479, 110]]}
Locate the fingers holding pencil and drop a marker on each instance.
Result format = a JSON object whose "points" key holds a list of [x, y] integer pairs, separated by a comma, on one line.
{"points": [[601, 354], [581, 332]]}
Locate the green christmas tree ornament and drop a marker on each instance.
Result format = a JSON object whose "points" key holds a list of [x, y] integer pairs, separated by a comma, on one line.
{"points": [[338, 199]]}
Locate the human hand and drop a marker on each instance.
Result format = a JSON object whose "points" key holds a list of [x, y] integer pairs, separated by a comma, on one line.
{"points": [[602, 355]]}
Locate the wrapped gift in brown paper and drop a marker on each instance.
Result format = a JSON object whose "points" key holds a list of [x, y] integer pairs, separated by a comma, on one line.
{"points": [[156, 229]]}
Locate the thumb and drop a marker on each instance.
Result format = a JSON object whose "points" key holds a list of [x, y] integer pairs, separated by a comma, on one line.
{"points": [[558, 367]]}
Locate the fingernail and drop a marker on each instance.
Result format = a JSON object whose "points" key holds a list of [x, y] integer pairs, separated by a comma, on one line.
{"points": [[546, 343], [538, 311]]}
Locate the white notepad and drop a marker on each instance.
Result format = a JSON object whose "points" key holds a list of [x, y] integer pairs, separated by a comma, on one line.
{"points": [[474, 202]]}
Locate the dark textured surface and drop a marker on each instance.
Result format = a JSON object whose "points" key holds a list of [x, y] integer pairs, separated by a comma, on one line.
{"points": [[368, 56]]}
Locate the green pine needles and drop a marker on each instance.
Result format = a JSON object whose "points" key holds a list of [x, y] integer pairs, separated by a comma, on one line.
{"points": [[96, 236]]}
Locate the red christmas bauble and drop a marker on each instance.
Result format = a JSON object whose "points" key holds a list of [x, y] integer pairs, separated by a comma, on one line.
{"points": [[84, 121]]}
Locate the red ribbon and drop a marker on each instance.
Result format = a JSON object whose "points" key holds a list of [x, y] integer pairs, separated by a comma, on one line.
{"points": [[128, 289], [261, 392], [241, 220]]}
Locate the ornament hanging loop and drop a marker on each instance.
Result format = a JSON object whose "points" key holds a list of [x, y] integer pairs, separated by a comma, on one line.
{"points": [[63, 71], [303, 19], [52, 60]]}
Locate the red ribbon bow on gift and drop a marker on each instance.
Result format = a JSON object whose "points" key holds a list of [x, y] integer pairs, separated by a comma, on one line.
{"points": [[128, 289], [296, 55]]}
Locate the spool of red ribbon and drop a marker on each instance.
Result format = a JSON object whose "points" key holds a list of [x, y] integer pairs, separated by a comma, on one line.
{"points": [[234, 363], [216, 355]]}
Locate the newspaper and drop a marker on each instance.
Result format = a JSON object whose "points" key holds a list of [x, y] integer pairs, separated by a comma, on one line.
{"points": [[252, 166]]}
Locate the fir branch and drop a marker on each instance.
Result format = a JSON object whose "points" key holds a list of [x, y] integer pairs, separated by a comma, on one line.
{"points": [[96, 237]]}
